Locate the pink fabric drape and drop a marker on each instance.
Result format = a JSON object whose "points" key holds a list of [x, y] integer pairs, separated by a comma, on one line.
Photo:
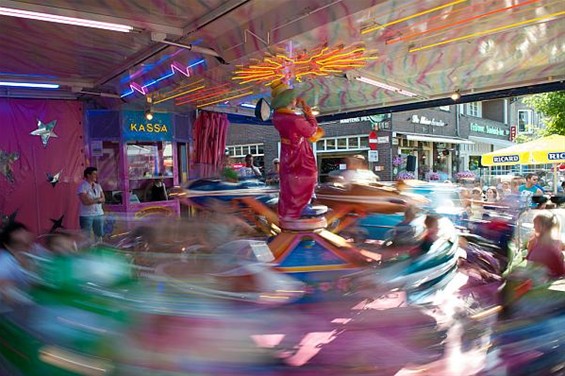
{"points": [[210, 133], [30, 195]]}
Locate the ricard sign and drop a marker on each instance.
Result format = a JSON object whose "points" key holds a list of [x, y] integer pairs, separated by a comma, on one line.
{"points": [[556, 156], [506, 159]]}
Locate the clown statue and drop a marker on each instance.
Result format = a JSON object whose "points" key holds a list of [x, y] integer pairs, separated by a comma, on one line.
{"points": [[298, 170]]}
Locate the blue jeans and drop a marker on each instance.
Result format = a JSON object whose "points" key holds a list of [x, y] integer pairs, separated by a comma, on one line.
{"points": [[94, 224]]}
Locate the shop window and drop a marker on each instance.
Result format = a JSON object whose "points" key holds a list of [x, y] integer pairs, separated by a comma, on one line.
{"points": [[342, 143], [330, 144], [353, 142], [474, 162], [524, 120], [240, 151], [364, 142]]}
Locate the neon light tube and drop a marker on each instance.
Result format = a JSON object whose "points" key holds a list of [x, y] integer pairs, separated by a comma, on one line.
{"points": [[64, 20], [382, 85], [490, 31], [378, 27], [29, 84]]}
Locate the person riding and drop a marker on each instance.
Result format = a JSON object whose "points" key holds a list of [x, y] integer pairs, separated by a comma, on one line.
{"points": [[249, 171], [545, 248], [356, 171]]}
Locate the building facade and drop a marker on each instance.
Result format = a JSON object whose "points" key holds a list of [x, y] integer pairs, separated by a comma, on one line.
{"points": [[427, 144]]}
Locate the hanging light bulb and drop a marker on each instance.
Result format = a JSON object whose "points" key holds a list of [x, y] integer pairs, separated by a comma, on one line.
{"points": [[456, 96], [149, 114]]}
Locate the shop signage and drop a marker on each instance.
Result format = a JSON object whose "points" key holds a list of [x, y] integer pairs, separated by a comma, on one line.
{"points": [[383, 140], [556, 156], [487, 129], [425, 121], [512, 133], [506, 158], [135, 127], [380, 120]]}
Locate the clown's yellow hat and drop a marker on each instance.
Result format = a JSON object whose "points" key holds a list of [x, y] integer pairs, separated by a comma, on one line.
{"points": [[281, 94]]}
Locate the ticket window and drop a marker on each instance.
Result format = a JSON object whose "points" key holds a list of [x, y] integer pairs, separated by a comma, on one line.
{"points": [[149, 170]]}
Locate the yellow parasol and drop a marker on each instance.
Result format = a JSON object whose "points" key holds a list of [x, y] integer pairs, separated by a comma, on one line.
{"points": [[549, 149]]}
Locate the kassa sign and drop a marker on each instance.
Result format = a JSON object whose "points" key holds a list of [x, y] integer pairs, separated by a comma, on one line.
{"points": [[135, 127]]}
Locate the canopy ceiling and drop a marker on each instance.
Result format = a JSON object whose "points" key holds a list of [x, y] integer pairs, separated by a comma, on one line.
{"points": [[424, 50]]}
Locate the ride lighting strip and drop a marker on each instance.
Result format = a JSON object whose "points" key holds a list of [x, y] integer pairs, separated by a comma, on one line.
{"points": [[378, 27], [490, 31], [198, 85], [385, 86], [64, 20], [322, 63], [209, 93], [457, 23], [175, 67], [226, 99], [481, 24], [29, 84]]}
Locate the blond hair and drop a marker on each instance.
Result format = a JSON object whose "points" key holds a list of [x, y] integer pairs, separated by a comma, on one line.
{"points": [[548, 222]]}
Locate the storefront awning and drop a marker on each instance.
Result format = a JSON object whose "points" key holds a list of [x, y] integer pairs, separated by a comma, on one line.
{"points": [[492, 141], [444, 139]]}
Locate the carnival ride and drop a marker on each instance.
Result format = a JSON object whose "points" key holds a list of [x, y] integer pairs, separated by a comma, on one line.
{"points": [[228, 306]]}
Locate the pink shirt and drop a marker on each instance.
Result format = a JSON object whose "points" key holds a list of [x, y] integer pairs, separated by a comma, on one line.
{"points": [[548, 254]]}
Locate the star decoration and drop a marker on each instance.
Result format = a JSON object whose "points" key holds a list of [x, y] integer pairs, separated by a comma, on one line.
{"points": [[57, 223], [6, 160], [45, 131], [9, 218], [53, 179]]}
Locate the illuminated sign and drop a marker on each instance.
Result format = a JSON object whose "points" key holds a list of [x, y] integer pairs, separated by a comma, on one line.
{"points": [[512, 133], [425, 121], [373, 119], [506, 159], [488, 129], [135, 127]]}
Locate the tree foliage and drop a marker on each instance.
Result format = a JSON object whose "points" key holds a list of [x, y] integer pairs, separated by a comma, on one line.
{"points": [[527, 137], [552, 107]]}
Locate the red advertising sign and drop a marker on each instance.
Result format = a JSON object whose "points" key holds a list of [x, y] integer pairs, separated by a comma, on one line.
{"points": [[512, 133], [373, 140]]}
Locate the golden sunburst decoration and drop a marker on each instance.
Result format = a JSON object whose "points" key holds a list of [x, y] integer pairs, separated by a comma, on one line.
{"points": [[323, 61]]}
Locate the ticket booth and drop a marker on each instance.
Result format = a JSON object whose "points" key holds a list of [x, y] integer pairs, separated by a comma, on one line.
{"points": [[139, 160]]}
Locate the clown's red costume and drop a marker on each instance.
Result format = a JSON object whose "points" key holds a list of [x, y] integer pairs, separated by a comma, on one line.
{"points": [[298, 170]]}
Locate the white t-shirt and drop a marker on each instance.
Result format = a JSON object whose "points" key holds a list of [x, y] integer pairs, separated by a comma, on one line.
{"points": [[93, 191], [249, 172]]}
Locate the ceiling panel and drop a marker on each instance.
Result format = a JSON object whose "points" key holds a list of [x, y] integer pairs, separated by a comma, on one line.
{"points": [[430, 48]]}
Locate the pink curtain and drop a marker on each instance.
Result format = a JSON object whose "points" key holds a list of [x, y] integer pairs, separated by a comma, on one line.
{"points": [[209, 134], [25, 162]]}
